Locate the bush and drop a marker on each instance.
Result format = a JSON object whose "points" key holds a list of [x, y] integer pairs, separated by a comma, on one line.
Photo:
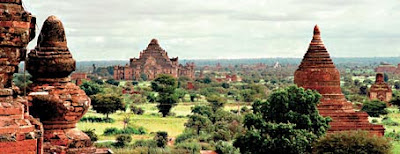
{"points": [[393, 135], [183, 137], [97, 119], [123, 140], [352, 142], [374, 108], [389, 122], [161, 139], [108, 144], [145, 143], [91, 133], [137, 110], [193, 147], [113, 82], [225, 147], [127, 130]]}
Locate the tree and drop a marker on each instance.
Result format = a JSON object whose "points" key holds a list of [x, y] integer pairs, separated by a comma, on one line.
{"points": [[91, 88], [113, 82], [367, 81], [352, 142], [385, 77], [193, 96], [397, 85], [363, 90], [107, 103], [216, 102], [165, 85], [286, 123], [395, 100], [225, 85], [357, 82], [181, 93], [22, 81], [143, 77], [198, 122], [374, 108]]}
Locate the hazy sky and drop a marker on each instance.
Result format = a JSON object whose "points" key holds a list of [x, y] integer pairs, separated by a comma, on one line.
{"points": [[199, 29]]}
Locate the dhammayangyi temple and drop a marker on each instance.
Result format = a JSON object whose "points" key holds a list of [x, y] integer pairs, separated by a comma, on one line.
{"points": [[153, 61]]}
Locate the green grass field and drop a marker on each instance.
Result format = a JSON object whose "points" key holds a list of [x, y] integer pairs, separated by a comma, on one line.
{"points": [[151, 120]]}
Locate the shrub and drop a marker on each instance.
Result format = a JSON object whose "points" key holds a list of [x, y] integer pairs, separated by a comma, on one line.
{"points": [[91, 133], [374, 108], [97, 119], [389, 122], [393, 135], [123, 140], [137, 110], [183, 137], [161, 139], [145, 143], [108, 144], [352, 142], [225, 147], [193, 147], [127, 130]]}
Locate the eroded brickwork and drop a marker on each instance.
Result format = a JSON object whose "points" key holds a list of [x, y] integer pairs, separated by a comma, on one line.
{"points": [[19, 132], [59, 103], [317, 72]]}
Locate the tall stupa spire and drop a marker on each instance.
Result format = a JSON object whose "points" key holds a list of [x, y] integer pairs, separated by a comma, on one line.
{"points": [[317, 72]]}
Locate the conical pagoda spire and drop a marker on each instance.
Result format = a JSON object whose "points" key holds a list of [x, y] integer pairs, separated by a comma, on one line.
{"points": [[327, 79], [317, 41], [317, 55]]}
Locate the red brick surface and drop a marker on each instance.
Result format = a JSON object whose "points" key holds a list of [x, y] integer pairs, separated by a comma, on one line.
{"points": [[317, 72]]}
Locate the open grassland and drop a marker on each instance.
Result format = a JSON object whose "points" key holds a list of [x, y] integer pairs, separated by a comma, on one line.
{"points": [[152, 121]]}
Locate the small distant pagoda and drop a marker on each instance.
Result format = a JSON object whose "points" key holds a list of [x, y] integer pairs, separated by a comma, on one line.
{"points": [[317, 72], [380, 90], [153, 61]]}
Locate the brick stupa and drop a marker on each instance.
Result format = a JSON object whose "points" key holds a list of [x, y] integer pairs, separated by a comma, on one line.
{"points": [[59, 103], [19, 132], [317, 72], [380, 90]]}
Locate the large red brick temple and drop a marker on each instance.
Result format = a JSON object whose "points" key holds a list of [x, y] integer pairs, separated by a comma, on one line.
{"points": [[153, 61], [19, 132], [54, 99], [318, 72]]}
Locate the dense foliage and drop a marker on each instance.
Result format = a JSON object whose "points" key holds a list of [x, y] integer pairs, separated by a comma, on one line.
{"points": [[375, 108], [288, 122], [352, 142], [107, 103]]}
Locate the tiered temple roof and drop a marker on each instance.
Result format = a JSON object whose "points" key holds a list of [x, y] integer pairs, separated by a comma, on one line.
{"points": [[154, 51], [318, 72]]}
